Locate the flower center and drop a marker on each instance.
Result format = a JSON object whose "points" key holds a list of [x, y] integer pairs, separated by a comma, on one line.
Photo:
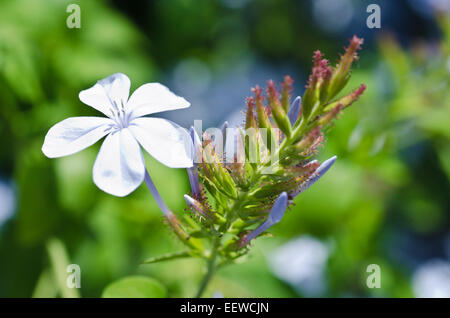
{"points": [[119, 114]]}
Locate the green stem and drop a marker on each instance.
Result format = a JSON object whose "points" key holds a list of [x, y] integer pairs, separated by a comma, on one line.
{"points": [[211, 267], [166, 257]]}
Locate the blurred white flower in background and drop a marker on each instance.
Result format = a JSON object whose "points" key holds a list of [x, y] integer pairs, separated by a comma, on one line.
{"points": [[301, 263], [432, 279], [192, 75], [333, 16], [217, 294], [7, 201]]}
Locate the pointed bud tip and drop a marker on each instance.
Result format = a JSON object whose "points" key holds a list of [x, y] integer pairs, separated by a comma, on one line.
{"points": [[317, 57], [357, 42], [361, 89], [326, 165], [278, 209], [331, 160], [189, 201], [288, 80], [283, 199], [271, 89]]}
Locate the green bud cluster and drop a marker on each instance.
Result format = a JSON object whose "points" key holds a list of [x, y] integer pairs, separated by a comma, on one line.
{"points": [[236, 197]]}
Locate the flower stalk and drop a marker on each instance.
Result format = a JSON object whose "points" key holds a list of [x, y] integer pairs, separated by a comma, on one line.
{"points": [[210, 268]]}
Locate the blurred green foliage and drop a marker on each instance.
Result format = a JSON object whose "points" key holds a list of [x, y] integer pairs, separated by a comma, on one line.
{"points": [[392, 176], [135, 287]]}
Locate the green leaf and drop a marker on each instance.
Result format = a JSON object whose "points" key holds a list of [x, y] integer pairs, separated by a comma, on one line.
{"points": [[135, 287], [45, 286]]}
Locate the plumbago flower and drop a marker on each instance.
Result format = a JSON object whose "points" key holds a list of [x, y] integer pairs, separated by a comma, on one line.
{"points": [[233, 202], [119, 168]]}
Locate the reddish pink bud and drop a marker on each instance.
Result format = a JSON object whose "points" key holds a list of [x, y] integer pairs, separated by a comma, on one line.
{"points": [[321, 71], [308, 141], [341, 74], [250, 120], [286, 92], [355, 45], [278, 112], [332, 114], [349, 99], [261, 110]]}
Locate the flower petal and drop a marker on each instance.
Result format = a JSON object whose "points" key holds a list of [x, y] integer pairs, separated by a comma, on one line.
{"points": [[153, 98], [74, 134], [164, 140], [119, 168], [101, 96]]}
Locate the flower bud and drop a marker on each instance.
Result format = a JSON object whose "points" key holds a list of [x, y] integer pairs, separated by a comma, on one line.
{"points": [[279, 114], [341, 73], [295, 110], [275, 216], [215, 171], [286, 92], [308, 140], [250, 120], [349, 99], [330, 115], [316, 92], [263, 117], [323, 168]]}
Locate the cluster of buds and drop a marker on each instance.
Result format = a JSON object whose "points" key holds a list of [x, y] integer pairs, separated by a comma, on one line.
{"points": [[238, 194]]}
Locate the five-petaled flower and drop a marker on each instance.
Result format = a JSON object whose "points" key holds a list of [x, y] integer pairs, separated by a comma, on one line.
{"points": [[119, 168]]}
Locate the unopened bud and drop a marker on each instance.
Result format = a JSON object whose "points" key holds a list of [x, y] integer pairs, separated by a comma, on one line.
{"points": [[279, 114], [349, 99], [332, 114], [295, 110], [263, 118], [250, 120], [323, 168], [286, 92], [275, 216], [341, 74]]}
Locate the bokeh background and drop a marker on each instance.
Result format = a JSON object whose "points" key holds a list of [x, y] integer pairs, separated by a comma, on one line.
{"points": [[386, 200]]}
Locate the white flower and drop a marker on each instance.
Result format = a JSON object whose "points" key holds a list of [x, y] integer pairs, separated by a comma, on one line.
{"points": [[119, 168]]}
